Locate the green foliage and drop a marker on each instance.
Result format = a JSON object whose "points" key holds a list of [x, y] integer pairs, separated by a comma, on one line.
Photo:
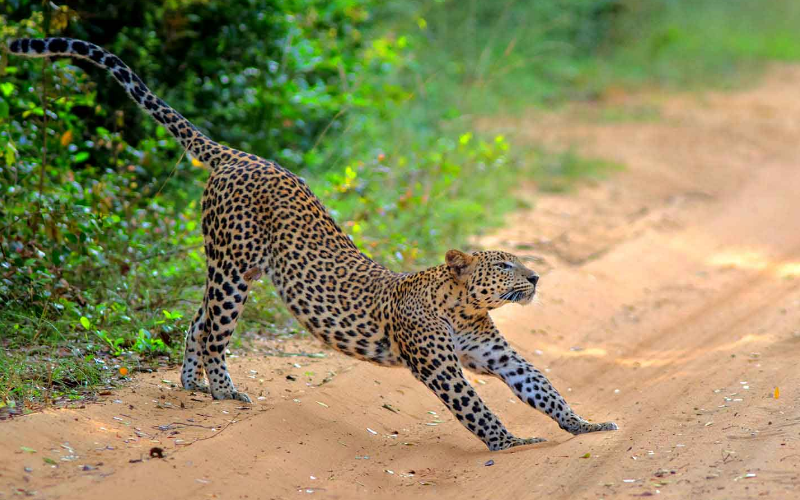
{"points": [[46, 374], [510, 55], [705, 42], [100, 236], [265, 75]]}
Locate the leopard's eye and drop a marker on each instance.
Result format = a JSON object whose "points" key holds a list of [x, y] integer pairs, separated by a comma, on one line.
{"points": [[505, 266]]}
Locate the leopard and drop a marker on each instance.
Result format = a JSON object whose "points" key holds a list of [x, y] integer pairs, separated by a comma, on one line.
{"points": [[260, 219]]}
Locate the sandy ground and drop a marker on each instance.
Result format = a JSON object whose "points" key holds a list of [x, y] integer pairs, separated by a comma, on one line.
{"points": [[670, 303]]}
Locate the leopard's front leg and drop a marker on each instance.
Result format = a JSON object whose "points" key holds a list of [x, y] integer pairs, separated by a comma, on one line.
{"points": [[432, 359], [482, 348]]}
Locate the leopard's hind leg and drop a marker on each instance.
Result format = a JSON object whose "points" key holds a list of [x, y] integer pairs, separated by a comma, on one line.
{"points": [[235, 244], [226, 295], [193, 372]]}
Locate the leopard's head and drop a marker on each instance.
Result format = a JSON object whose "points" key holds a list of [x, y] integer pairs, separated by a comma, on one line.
{"points": [[492, 278]]}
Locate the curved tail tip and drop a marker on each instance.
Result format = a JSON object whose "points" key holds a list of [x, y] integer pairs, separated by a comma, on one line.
{"points": [[32, 45]]}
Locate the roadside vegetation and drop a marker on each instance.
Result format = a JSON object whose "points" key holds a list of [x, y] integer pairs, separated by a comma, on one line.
{"points": [[373, 102]]}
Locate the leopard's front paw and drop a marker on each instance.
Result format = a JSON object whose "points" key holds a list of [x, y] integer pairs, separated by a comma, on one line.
{"points": [[586, 427], [607, 426], [523, 441], [511, 441]]}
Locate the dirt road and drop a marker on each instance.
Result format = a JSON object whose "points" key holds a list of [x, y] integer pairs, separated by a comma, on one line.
{"points": [[670, 303]]}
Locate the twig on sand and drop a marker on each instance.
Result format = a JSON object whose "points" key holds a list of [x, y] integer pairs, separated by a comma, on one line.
{"points": [[234, 419]]}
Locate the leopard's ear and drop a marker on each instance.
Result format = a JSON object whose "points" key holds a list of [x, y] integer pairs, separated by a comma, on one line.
{"points": [[460, 264]]}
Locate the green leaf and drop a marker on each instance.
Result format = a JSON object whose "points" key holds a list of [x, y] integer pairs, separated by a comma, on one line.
{"points": [[11, 154], [85, 322], [3, 109], [50, 461], [172, 315], [80, 157], [27, 450], [6, 88]]}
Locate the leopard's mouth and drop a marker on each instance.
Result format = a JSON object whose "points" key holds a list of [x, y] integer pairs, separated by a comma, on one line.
{"points": [[527, 298], [519, 296]]}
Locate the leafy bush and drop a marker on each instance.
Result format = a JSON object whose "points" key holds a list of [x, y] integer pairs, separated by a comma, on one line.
{"points": [[100, 212]]}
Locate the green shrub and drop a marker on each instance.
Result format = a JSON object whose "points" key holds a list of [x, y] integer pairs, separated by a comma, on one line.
{"points": [[99, 214]]}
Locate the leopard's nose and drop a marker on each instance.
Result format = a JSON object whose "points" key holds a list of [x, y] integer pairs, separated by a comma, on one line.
{"points": [[534, 278]]}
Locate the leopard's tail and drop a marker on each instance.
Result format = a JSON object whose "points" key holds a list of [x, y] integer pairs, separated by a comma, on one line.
{"points": [[192, 140]]}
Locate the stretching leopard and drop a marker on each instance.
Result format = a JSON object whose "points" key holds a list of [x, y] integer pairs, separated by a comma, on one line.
{"points": [[260, 218]]}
